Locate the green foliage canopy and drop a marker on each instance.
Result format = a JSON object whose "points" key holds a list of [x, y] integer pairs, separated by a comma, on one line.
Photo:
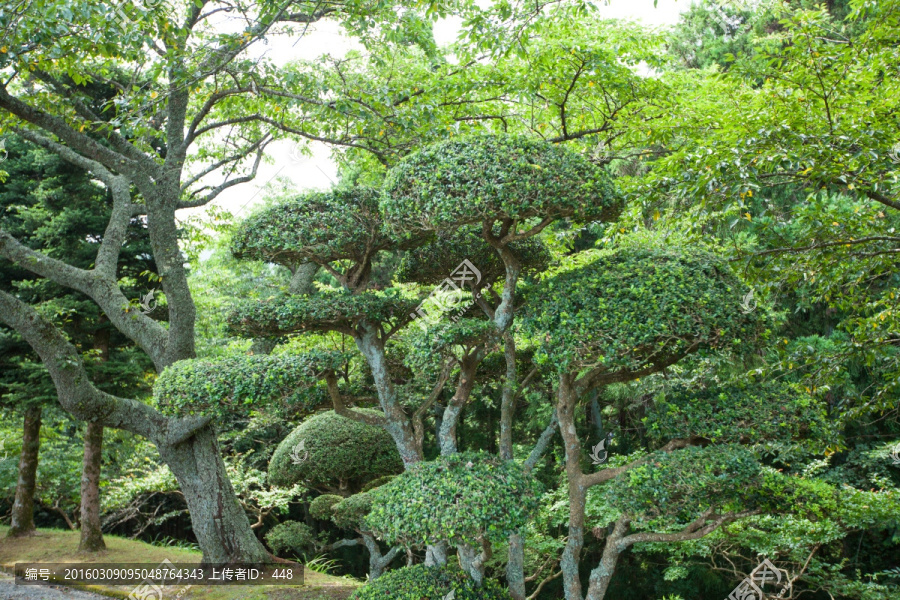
{"points": [[674, 488], [291, 538], [418, 581], [343, 454], [627, 308], [434, 261], [329, 310], [240, 383], [338, 224], [459, 498], [492, 177], [741, 412]]}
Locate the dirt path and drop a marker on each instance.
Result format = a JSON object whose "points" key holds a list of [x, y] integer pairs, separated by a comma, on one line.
{"points": [[10, 591]]}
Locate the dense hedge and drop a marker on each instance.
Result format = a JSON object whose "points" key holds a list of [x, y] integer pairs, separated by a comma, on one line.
{"points": [[336, 449], [337, 224], [457, 498], [327, 310], [487, 177], [419, 582], [622, 308], [239, 383], [747, 413]]}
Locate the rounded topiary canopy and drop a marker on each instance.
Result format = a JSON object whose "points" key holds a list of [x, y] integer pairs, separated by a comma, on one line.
{"points": [[342, 223], [743, 412], [350, 512], [418, 582], [433, 262], [331, 452], [329, 310], [675, 488], [320, 507], [623, 309], [290, 538], [457, 498], [490, 177], [241, 383]]}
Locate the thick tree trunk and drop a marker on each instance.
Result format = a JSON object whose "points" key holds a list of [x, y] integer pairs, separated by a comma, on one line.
{"points": [[91, 534], [447, 433], [378, 562], [508, 397], [398, 423], [303, 278], [220, 524], [472, 562], [577, 490], [436, 555], [602, 574], [23, 507]]}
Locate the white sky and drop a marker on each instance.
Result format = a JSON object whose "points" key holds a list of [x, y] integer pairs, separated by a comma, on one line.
{"points": [[318, 171]]}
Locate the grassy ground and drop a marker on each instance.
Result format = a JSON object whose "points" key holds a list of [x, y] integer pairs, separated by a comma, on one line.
{"points": [[59, 546]]}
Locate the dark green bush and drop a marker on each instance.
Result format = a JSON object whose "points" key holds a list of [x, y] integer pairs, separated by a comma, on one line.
{"points": [[741, 412], [378, 483], [241, 383], [350, 512], [320, 507], [433, 262], [338, 454], [429, 583], [290, 538]]}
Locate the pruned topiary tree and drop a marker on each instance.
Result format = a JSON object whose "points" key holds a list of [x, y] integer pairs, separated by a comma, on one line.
{"points": [[349, 513], [618, 315], [470, 499], [421, 581], [291, 538], [334, 454], [491, 195]]}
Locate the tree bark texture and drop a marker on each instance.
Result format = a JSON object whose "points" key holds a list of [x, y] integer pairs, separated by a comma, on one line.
{"points": [[22, 523], [91, 533]]}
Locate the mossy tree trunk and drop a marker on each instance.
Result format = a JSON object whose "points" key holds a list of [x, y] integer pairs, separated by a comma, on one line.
{"points": [[91, 533], [22, 523]]}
